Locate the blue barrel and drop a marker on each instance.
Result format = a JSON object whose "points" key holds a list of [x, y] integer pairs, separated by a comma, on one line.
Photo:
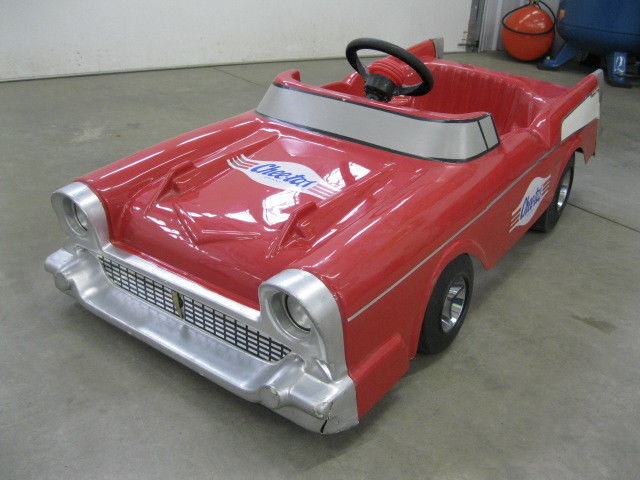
{"points": [[610, 28], [601, 26]]}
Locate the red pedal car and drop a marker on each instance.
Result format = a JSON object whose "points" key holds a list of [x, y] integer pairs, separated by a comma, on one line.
{"points": [[300, 254]]}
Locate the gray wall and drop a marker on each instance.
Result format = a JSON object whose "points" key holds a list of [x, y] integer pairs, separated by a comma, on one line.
{"points": [[71, 37]]}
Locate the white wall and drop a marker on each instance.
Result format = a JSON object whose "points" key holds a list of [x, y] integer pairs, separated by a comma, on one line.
{"points": [[68, 37]]}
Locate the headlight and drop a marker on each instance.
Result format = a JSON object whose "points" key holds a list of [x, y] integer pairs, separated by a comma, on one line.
{"points": [[76, 218], [81, 217], [297, 314], [290, 313], [300, 305]]}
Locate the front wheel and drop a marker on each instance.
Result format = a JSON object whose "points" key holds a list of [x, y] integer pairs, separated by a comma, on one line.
{"points": [[551, 215], [448, 306]]}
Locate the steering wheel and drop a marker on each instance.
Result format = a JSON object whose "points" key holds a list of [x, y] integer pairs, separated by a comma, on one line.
{"points": [[379, 87]]}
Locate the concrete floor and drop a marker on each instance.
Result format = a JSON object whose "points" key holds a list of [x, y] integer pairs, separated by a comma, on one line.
{"points": [[542, 382]]}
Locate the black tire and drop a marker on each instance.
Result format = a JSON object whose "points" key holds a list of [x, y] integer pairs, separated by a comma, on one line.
{"points": [[438, 333], [551, 215]]}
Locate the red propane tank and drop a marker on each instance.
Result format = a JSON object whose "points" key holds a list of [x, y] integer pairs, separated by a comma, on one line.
{"points": [[527, 31]]}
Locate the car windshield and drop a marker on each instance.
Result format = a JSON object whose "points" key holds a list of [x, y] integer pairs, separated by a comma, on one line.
{"points": [[420, 137]]}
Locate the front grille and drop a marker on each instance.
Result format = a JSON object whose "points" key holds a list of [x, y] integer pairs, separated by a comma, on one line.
{"points": [[139, 285], [194, 312], [228, 329]]}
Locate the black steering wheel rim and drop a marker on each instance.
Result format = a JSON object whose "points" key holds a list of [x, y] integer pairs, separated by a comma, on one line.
{"points": [[395, 51]]}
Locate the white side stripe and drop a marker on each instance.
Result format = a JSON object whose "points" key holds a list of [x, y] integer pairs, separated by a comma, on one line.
{"points": [[582, 115]]}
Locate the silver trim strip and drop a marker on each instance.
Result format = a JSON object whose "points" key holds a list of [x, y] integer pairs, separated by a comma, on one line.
{"points": [[415, 136], [489, 131]]}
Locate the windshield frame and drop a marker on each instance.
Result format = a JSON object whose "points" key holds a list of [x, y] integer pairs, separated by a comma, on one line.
{"points": [[448, 140]]}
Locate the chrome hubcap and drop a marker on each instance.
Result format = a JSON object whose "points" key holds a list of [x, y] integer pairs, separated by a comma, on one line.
{"points": [[563, 192], [454, 304]]}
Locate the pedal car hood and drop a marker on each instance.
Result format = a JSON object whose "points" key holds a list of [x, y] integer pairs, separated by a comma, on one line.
{"points": [[237, 215]]}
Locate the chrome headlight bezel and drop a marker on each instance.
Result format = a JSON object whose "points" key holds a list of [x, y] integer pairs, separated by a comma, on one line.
{"points": [[77, 220], [325, 335], [81, 215]]}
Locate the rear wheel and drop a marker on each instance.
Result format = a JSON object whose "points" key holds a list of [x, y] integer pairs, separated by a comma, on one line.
{"points": [[448, 306], [551, 215]]}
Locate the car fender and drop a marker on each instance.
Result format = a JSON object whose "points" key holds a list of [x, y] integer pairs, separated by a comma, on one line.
{"points": [[455, 248]]}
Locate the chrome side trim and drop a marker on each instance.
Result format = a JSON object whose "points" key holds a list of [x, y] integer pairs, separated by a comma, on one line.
{"points": [[455, 141]]}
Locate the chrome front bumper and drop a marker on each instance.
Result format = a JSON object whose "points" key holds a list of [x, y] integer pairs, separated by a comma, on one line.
{"points": [[316, 394]]}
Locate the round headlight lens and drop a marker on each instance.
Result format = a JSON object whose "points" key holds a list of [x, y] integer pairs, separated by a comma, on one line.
{"points": [[77, 220], [80, 217], [297, 313]]}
